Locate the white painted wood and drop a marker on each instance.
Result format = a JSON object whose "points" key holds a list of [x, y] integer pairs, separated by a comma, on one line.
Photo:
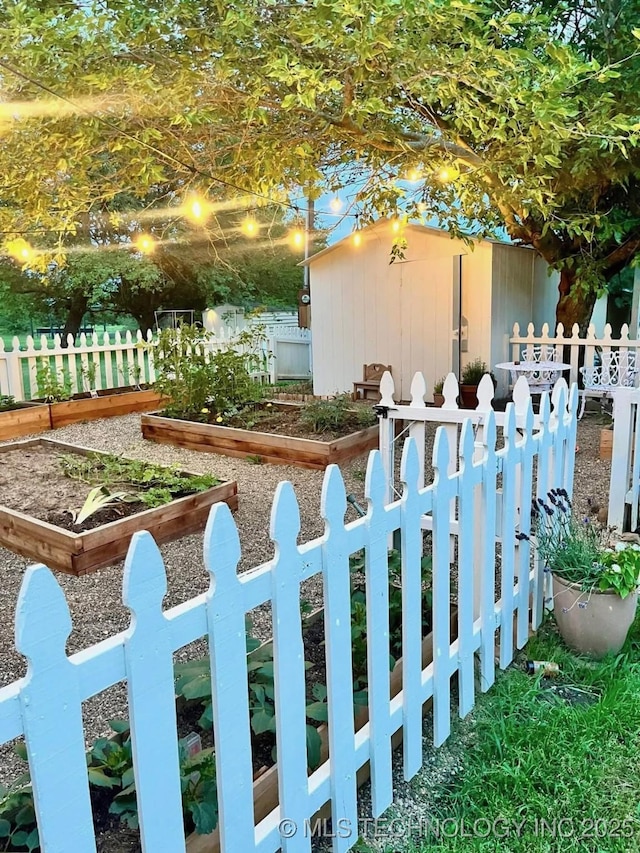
{"points": [[337, 626], [441, 590], [288, 666], [377, 596], [151, 692], [227, 654], [466, 580], [411, 549], [46, 705], [51, 711]]}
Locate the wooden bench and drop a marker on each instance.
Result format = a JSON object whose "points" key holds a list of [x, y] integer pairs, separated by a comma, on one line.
{"points": [[371, 376]]}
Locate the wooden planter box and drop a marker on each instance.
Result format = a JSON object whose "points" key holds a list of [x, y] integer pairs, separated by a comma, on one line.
{"points": [[265, 786], [278, 449], [606, 444], [108, 405], [81, 553], [28, 419]]}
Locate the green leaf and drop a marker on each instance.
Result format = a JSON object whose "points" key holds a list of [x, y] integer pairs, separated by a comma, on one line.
{"points": [[5, 828], [99, 778]]}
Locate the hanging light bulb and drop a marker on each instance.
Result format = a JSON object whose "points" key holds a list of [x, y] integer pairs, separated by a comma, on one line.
{"points": [[297, 238], [196, 208], [445, 174], [414, 174], [395, 225], [250, 226], [145, 243], [421, 207], [357, 238], [336, 204], [20, 250]]}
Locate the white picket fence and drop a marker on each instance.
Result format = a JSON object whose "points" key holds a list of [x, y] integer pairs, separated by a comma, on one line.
{"points": [[46, 705], [102, 361], [582, 350], [624, 486]]}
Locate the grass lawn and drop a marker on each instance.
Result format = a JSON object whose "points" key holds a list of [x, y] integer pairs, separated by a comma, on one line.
{"points": [[563, 751]]}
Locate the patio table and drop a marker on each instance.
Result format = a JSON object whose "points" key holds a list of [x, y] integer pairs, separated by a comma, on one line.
{"points": [[541, 375]]}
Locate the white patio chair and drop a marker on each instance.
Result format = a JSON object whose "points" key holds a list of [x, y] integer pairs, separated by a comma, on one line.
{"points": [[616, 370], [538, 380]]}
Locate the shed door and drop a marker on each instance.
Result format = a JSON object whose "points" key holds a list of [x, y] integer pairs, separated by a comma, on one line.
{"points": [[426, 320]]}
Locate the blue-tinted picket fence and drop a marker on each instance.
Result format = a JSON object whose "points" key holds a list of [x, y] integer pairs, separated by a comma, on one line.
{"points": [[46, 706]]}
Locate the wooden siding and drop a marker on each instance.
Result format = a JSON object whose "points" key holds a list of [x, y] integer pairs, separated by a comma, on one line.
{"points": [[365, 309]]}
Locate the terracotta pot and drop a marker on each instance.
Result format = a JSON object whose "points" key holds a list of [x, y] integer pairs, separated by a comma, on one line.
{"points": [[468, 396], [592, 623], [438, 400]]}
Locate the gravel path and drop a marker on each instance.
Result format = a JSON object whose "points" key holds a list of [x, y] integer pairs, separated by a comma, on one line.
{"points": [[96, 600]]}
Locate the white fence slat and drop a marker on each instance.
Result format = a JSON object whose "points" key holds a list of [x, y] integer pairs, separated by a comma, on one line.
{"points": [[337, 627], [523, 552], [289, 674], [51, 708], [151, 692], [411, 552], [486, 546], [229, 682], [508, 457], [545, 440], [441, 590], [377, 596], [466, 548], [108, 364]]}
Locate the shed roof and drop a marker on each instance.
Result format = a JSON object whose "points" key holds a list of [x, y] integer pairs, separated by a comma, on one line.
{"points": [[411, 226]]}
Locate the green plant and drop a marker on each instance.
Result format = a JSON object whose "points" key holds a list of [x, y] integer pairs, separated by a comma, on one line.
{"points": [[88, 372], [198, 787], [54, 385], [255, 459], [155, 484], [358, 607], [338, 413], [7, 403], [473, 372], [18, 829], [193, 683], [98, 498], [202, 378], [439, 385], [578, 551]]}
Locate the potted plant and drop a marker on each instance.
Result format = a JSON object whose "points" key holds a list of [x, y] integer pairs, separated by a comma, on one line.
{"points": [[470, 378], [438, 396], [595, 582]]}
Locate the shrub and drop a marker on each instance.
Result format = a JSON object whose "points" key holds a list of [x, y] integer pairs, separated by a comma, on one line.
{"points": [[473, 372], [337, 414], [201, 380]]}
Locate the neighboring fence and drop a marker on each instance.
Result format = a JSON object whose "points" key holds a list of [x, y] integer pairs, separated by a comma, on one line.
{"points": [[624, 486], [101, 361], [98, 362], [582, 350], [46, 706]]}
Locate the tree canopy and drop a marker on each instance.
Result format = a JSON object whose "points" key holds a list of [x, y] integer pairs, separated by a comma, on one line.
{"points": [[523, 116]]}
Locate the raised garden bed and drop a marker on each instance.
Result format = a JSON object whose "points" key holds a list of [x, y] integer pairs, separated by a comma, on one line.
{"points": [[108, 404], [20, 419], [48, 532], [265, 785], [267, 441]]}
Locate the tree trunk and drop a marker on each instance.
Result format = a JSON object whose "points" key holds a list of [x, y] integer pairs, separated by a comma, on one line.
{"points": [[575, 305], [145, 316], [76, 311]]}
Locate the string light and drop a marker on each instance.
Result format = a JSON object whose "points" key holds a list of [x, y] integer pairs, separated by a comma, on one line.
{"points": [[422, 206], [395, 225], [145, 244], [445, 175], [297, 238], [197, 209], [414, 174], [249, 226], [20, 250], [336, 204], [357, 236]]}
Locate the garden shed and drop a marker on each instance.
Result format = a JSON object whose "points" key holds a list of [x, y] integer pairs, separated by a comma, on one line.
{"points": [[444, 304]]}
